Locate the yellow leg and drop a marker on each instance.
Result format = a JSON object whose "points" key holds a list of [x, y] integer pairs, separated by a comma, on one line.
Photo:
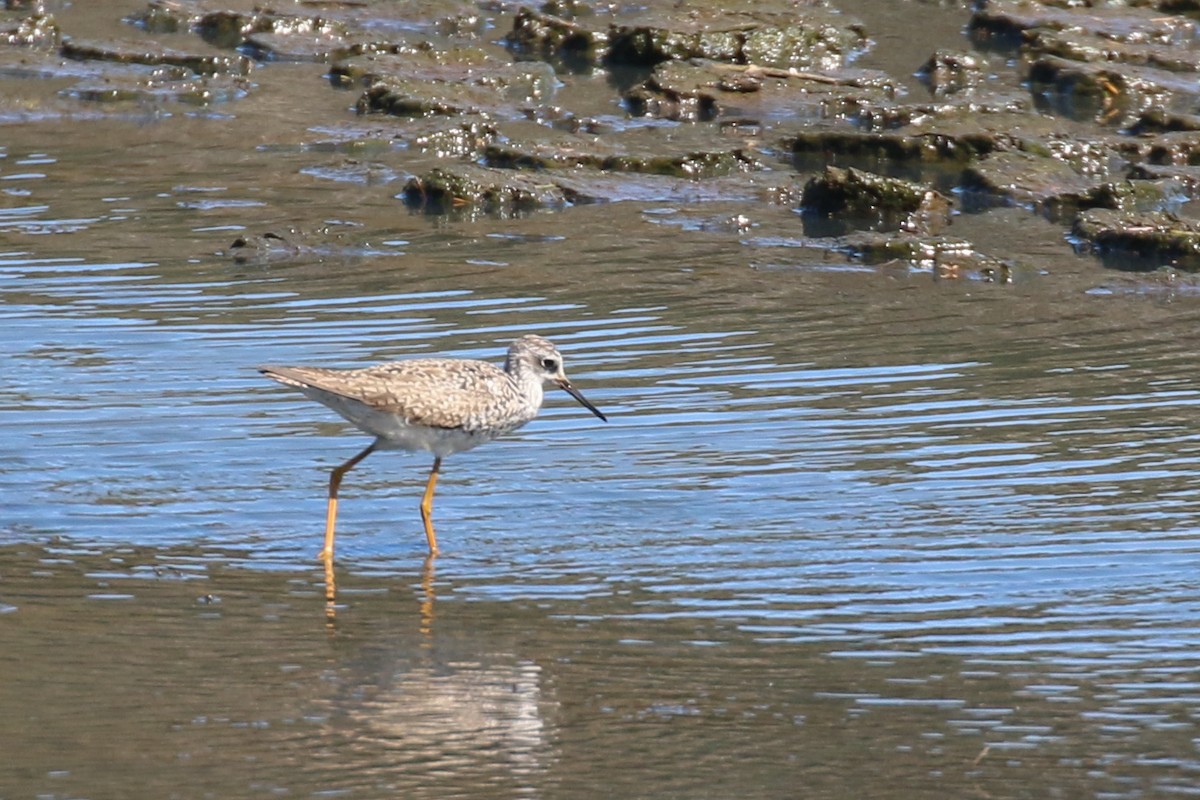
{"points": [[427, 506], [428, 597], [335, 480], [330, 593]]}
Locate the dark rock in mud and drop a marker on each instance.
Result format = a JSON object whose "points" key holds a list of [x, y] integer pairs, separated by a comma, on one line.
{"points": [[865, 195], [460, 139], [1159, 120], [772, 35], [423, 61], [1095, 49], [424, 82], [1102, 157], [448, 138], [491, 191], [384, 99], [155, 54], [944, 256], [320, 244], [873, 147], [589, 186], [114, 84], [647, 45], [1106, 94], [1143, 192], [1170, 148], [1185, 180], [699, 90], [550, 38], [164, 16], [951, 136], [296, 46], [340, 29], [40, 30], [1150, 239], [467, 187], [1059, 190], [418, 99], [613, 154], [1020, 178], [1178, 6], [173, 84], [227, 28], [262, 247], [951, 112], [1003, 23], [228, 22], [231, 29], [1104, 68], [947, 71]]}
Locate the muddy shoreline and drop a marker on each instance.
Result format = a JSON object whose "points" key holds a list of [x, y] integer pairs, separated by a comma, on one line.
{"points": [[1085, 116]]}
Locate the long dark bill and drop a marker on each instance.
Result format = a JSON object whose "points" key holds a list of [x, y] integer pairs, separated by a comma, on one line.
{"points": [[583, 401]]}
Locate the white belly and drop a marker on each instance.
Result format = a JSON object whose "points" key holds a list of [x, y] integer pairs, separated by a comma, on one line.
{"points": [[438, 441], [395, 433]]}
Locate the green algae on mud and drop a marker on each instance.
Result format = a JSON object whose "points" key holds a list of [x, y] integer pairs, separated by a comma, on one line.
{"points": [[769, 34], [1143, 240], [858, 194]]}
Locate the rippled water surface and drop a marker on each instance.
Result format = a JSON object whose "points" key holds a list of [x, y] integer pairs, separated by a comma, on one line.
{"points": [[850, 531]]}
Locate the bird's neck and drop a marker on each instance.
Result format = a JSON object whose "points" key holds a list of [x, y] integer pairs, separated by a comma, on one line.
{"points": [[528, 384]]}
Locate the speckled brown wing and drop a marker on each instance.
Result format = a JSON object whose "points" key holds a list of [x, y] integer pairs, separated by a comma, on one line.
{"points": [[439, 393]]}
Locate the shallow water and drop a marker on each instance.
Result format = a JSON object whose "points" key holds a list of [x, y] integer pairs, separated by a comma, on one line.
{"points": [[860, 530]]}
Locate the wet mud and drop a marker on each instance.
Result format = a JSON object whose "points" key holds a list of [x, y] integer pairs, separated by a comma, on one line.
{"points": [[1065, 111]]}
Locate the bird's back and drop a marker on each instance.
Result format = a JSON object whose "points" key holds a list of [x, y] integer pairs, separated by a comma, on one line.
{"points": [[435, 404]]}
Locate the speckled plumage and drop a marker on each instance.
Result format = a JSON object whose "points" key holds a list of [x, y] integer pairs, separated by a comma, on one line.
{"points": [[472, 398], [439, 405]]}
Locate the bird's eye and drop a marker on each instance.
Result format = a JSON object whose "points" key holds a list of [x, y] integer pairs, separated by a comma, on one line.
{"points": [[550, 364]]}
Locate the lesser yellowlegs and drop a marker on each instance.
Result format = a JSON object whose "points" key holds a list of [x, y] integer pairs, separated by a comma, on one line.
{"points": [[439, 405]]}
